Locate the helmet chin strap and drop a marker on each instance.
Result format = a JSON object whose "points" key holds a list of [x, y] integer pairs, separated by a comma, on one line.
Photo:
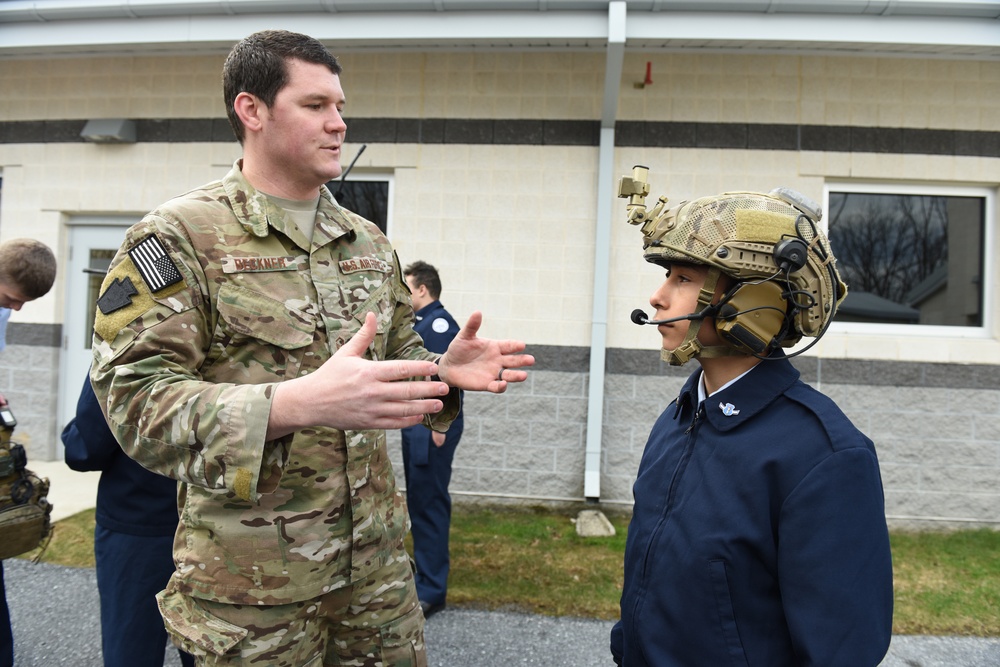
{"points": [[691, 347]]}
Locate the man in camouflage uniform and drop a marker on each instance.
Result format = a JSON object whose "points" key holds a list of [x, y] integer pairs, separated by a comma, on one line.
{"points": [[250, 340]]}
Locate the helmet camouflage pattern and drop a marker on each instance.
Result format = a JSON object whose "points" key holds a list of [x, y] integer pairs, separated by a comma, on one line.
{"points": [[738, 233]]}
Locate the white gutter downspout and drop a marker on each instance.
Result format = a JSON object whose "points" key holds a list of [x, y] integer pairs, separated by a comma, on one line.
{"points": [[602, 249]]}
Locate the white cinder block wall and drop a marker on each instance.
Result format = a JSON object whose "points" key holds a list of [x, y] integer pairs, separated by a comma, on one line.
{"points": [[497, 187]]}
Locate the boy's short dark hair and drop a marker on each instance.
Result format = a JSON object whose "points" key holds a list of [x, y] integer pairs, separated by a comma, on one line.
{"points": [[426, 275], [28, 265], [258, 65]]}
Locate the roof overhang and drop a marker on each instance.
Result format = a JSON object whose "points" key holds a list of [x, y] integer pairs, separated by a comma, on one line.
{"points": [[953, 29]]}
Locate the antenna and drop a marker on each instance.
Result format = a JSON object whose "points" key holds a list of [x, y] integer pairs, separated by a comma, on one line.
{"points": [[348, 170]]}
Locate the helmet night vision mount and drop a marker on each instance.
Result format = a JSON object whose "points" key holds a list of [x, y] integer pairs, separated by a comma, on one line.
{"points": [[785, 281]]}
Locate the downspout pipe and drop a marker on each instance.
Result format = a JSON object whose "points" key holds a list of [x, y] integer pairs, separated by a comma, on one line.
{"points": [[602, 250]]}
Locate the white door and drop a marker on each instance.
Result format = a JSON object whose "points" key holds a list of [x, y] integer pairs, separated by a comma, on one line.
{"points": [[92, 247]]}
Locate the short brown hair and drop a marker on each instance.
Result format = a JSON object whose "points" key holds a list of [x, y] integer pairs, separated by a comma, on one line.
{"points": [[258, 65], [28, 265], [426, 275]]}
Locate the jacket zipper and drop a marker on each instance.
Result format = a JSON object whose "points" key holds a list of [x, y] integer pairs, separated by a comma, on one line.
{"points": [[692, 432]]}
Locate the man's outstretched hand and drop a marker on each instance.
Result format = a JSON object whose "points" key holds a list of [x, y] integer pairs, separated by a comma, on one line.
{"points": [[349, 392], [482, 364]]}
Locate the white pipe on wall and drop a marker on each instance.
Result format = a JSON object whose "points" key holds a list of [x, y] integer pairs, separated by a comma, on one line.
{"points": [[602, 250]]}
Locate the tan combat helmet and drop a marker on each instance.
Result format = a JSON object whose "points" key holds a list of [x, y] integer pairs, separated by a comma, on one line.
{"points": [[786, 280]]}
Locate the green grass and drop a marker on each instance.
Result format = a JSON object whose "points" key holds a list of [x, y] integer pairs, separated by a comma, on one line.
{"points": [[531, 559], [534, 560], [72, 542], [947, 583]]}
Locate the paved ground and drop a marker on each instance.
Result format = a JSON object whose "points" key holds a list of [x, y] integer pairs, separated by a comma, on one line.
{"points": [[55, 614], [54, 611]]}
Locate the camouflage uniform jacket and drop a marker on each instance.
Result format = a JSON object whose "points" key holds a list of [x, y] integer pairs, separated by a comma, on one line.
{"points": [[186, 373]]}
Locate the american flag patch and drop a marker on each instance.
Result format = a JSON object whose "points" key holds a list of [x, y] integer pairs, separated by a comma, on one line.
{"points": [[154, 264]]}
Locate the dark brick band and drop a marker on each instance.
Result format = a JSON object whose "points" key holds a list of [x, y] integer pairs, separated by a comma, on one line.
{"points": [[653, 134]]}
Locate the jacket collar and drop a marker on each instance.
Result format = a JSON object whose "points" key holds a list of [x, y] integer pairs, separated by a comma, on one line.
{"points": [[256, 213], [427, 310], [744, 399]]}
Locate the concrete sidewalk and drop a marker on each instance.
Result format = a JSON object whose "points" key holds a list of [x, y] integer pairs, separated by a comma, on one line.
{"points": [[55, 612], [69, 491]]}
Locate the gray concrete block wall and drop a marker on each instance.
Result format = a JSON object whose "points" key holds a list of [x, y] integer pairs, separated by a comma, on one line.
{"points": [[526, 443], [936, 427], [29, 380], [530, 442], [938, 445], [937, 433], [632, 403]]}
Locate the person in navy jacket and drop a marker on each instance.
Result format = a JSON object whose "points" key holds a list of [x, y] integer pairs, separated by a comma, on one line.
{"points": [[428, 455], [758, 536], [133, 539]]}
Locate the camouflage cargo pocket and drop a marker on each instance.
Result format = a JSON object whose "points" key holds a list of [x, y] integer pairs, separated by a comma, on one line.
{"points": [[261, 335], [382, 304], [195, 630], [403, 641]]}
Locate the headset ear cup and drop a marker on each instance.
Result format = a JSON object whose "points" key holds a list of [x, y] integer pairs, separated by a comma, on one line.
{"points": [[791, 254], [752, 317], [726, 312]]}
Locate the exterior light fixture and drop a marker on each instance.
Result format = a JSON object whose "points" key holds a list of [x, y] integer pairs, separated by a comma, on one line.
{"points": [[109, 131]]}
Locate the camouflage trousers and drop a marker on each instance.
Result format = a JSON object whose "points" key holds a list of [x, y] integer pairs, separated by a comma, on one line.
{"points": [[372, 623]]}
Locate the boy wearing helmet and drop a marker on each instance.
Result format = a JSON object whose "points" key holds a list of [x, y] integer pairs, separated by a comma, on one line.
{"points": [[758, 535]]}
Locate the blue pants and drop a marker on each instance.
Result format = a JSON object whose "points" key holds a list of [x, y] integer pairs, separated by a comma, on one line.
{"points": [[427, 469], [131, 570]]}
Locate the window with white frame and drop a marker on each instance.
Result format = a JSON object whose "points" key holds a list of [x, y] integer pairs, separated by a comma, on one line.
{"points": [[911, 256]]}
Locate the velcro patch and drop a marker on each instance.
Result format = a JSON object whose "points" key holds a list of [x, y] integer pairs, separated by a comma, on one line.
{"points": [[356, 264], [259, 264], [764, 226], [108, 324], [158, 271], [125, 305], [117, 295]]}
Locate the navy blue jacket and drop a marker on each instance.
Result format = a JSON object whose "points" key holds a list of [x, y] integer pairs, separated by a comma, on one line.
{"points": [[758, 536], [130, 499], [438, 328]]}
